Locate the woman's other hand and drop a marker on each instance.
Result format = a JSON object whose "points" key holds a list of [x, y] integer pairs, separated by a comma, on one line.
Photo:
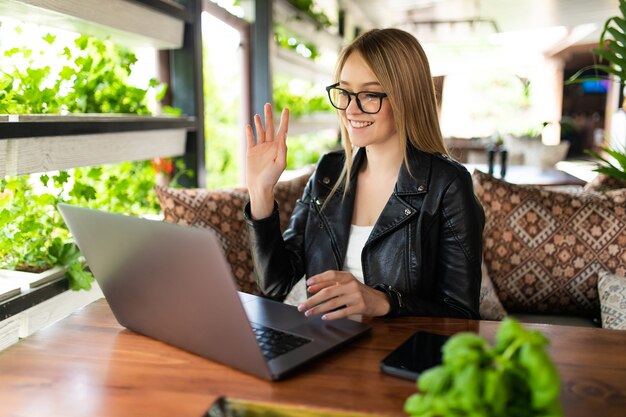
{"points": [[265, 161], [338, 294]]}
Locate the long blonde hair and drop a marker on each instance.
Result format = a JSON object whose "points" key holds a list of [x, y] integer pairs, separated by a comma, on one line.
{"points": [[399, 63]]}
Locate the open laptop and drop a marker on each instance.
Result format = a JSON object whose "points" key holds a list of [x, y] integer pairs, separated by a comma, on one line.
{"points": [[172, 283]]}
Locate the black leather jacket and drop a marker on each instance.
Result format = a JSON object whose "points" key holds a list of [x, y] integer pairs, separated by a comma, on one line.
{"points": [[426, 244]]}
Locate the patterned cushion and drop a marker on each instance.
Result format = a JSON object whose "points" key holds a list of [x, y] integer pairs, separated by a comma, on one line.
{"points": [[544, 249], [222, 212], [612, 291], [490, 307]]}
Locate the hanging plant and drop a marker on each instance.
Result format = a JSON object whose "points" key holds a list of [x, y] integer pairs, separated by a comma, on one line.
{"points": [[611, 54], [611, 51]]}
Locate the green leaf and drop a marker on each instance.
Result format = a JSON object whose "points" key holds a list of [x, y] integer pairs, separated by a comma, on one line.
{"points": [[618, 155], [49, 38], [82, 191], [67, 73], [82, 42], [60, 179], [78, 277], [618, 35], [542, 375], [435, 380]]}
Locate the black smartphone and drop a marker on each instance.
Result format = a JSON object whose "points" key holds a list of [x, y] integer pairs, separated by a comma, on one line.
{"points": [[418, 353]]}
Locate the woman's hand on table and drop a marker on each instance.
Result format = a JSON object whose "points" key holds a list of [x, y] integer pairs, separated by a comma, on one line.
{"points": [[338, 294]]}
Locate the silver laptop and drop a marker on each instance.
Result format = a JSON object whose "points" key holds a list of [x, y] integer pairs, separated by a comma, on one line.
{"points": [[172, 283]]}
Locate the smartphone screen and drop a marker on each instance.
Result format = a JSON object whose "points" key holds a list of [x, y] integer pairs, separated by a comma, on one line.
{"points": [[418, 353]]}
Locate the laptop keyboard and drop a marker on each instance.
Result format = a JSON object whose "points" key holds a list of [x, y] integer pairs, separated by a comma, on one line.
{"points": [[274, 342]]}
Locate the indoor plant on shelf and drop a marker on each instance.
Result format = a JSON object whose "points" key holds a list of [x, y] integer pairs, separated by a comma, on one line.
{"points": [[93, 79]]}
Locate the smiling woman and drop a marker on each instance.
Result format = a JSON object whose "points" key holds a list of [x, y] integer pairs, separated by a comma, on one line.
{"points": [[375, 233]]}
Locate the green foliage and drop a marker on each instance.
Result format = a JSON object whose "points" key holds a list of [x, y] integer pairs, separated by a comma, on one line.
{"points": [[307, 149], [304, 149], [93, 79], [604, 166], [34, 237], [309, 8], [611, 50], [309, 101], [289, 41], [514, 378]]}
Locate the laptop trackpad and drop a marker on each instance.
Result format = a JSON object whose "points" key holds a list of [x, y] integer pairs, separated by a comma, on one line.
{"points": [[272, 313]]}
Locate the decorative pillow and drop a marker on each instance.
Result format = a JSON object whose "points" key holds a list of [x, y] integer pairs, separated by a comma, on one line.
{"points": [[222, 212], [490, 306], [612, 291], [544, 249], [603, 182]]}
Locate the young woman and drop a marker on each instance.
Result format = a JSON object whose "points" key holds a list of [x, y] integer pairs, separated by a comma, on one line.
{"points": [[390, 225]]}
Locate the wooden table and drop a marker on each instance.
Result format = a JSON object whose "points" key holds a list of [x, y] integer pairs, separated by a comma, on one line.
{"points": [[530, 175], [87, 365]]}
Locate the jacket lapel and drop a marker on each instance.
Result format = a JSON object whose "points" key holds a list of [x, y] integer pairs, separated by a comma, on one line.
{"points": [[337, 213], [402, 205]]}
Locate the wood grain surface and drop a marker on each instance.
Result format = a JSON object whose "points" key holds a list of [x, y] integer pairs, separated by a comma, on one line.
{"points": [[88, 365]]}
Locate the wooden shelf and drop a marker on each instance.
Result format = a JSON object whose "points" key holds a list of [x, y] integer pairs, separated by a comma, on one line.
{"points": [[285, 61], [48, 143], [127, 22], [28, 126]]}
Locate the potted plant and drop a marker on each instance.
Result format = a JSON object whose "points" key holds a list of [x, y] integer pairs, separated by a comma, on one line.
{"points": [[610, 49], [34, 241], [611, 53]]}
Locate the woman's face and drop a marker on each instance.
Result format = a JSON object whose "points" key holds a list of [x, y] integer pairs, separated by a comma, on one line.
{"points": [[371, 130]]}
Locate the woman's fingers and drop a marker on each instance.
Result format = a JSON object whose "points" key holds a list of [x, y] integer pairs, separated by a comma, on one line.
{"points": [[260, 132], [269, 122], [249, 136], [267, 134], [283, 127], [326, 307], [339, 294], [281, 137], [318, 287]]}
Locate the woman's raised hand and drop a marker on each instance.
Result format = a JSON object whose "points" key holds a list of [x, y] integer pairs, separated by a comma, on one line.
{"points": [[265, 161]]}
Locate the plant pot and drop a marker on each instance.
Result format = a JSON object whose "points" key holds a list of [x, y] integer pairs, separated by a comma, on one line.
{"points": [[534, 153], [13, 283]]}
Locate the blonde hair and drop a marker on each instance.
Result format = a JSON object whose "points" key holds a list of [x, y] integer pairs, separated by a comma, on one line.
{"points": [[399, 63]]}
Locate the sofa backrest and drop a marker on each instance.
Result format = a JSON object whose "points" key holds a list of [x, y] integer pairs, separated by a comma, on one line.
{"points": [[221, 211]]}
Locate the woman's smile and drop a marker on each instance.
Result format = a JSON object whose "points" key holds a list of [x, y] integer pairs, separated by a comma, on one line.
{"points": [[357, 124]]}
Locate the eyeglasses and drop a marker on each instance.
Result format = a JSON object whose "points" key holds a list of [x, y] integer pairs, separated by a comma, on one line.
{"points": [[368, 102]]}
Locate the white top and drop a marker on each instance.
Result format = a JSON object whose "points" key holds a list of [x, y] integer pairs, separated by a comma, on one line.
{"points": [[356, 242]]}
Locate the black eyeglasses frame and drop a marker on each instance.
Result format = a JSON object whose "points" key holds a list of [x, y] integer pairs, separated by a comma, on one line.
{"points": [[356, 97]]}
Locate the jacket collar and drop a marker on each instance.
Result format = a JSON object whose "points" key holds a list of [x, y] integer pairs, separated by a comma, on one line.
{"points": [[416, 181], [400, 208], [411, 180]]}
